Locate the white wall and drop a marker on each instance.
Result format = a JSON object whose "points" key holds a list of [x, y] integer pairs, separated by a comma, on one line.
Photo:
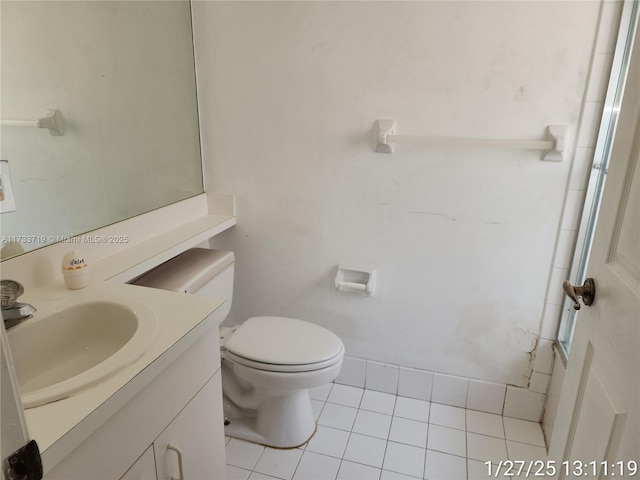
{"points": [[462, 239]]}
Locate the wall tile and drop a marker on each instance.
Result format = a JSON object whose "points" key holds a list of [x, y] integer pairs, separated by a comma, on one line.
{"points": [[382, 377], [589, 124], [353, 372], [557, 376], [539, 382], [599, 77], [555, 295], [450, 390], [550, 321], [415, 383], [581, 169], [609, 24], [564, 248], [543, 362], [486, 396], [523, 404], [572, 210]]}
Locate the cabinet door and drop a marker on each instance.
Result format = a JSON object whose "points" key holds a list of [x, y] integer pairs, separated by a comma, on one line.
{"points": [[195, 438], [144, 468]]}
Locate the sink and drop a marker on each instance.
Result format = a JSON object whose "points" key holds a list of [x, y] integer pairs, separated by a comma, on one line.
{"points": [[58, 354]]}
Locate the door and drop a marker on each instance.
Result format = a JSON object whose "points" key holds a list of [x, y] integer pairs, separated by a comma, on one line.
{"points": [[597, 430]]}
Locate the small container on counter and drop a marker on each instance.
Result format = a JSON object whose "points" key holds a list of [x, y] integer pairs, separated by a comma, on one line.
{"points": [[75, 271]]}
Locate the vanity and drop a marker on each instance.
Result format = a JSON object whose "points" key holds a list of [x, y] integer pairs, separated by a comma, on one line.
{"points": [[160, 416], [165, 407]]}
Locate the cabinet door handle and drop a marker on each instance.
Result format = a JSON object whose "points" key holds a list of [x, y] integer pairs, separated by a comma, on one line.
{"points": [[179, 453]]}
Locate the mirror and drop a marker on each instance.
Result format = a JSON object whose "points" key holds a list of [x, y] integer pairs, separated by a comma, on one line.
{"points": [[122, 75]]}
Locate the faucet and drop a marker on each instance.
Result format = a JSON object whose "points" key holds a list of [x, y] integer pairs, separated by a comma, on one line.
{"points": [[14, 312]]}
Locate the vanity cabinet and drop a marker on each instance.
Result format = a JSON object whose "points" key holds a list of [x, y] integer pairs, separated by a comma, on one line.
{"points": [[144, 468], [190, 442], [181, 408], [186, 448]]}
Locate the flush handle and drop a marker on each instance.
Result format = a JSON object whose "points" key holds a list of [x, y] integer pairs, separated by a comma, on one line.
{"points": [[587, 292]]}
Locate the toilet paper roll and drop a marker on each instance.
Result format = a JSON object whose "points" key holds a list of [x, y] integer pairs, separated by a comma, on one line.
{"points": [[360, 287]]}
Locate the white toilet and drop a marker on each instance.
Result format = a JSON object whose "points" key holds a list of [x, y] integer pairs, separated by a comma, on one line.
{"points": [[268, 363]]}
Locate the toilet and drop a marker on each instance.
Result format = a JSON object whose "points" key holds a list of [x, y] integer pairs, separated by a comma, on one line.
{"points": [[269, 363]]}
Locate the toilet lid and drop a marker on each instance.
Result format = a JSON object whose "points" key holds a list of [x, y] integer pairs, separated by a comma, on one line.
{"points": [[283, 341]]}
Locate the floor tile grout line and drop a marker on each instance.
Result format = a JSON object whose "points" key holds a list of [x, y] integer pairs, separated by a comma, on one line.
{"points": [[386, 444], [393, 415], [300, 460]]}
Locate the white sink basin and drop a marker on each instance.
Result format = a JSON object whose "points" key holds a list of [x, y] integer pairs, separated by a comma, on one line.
{"points": [[61, 353]]}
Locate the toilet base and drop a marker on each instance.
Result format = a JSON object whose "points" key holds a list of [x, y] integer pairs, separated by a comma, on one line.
{"points": [[242, 428], [283, 420]]}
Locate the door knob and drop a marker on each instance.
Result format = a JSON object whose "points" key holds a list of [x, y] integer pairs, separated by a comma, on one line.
{"points": [[587, 292]]}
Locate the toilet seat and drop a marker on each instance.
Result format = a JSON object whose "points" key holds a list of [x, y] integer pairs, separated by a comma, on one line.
{"points": [[273, 367], [281, 344]]}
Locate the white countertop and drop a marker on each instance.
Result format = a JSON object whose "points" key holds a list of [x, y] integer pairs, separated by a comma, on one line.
{"points": [[152, 238], [61, 426]]}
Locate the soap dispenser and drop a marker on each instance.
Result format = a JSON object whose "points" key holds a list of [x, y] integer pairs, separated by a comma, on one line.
{"points": [[75, 271]]}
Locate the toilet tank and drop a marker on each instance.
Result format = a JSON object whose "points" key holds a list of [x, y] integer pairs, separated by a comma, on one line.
{"points": [[198, 271]]}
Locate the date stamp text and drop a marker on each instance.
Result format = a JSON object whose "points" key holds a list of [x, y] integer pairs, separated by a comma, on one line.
{"points": [[550, 468]]}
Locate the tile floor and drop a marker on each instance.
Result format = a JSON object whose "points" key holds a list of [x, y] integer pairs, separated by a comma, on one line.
{"points": [[367, 435]]}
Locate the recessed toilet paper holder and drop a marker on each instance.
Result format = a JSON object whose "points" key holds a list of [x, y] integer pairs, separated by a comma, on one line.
{"points": [[350, 279]]}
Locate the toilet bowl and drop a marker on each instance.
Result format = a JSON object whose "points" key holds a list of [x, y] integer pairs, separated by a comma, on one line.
{"points": [[268, 366], [268, 363]]}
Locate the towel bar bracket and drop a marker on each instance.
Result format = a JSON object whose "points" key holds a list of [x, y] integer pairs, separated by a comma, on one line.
{"points": [[53, 121]]}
